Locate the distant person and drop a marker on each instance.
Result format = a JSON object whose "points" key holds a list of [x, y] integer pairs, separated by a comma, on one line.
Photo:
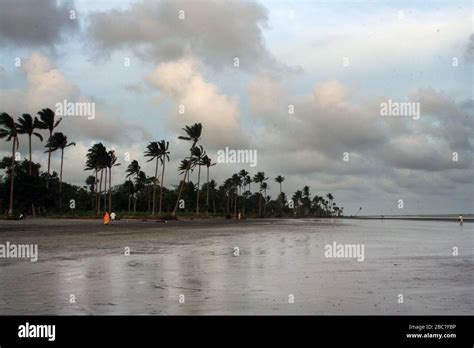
{"points": [[461, 220], [106, 218], [112, 216]]}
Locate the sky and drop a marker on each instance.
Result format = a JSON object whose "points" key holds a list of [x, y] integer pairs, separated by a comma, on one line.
{"points": [[306, 93]]}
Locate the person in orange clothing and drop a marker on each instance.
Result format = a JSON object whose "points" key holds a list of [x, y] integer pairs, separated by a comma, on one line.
{"points": [[106, 218]]}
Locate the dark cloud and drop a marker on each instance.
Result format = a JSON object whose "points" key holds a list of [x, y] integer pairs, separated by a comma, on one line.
{"points": [[35, 23], [214, 31]]}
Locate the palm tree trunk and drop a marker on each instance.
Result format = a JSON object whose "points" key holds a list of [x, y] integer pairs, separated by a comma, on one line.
{"points": [[235, 203], [29, 145], [105, 190], [281, 200], [260, 204], [182, 184], [12, 179], [129, 196], [198, 189], [207, 194], [154, 187], [49, 161], [110, 189], [162, 183], [100, 191], [94, 205], [61, 181]]}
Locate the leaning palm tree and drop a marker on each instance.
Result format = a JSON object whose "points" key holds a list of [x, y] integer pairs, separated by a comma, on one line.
{"points": [[193, 134], [47, 122], [153, 151], [330, 197], [59, 141], [243, 178], [27, 125], [279, 179], [9, 130], [133, 169], [206, 160], [164, 155], [198, 153]]}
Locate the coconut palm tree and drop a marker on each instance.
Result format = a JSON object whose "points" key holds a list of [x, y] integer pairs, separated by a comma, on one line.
{"points": [[264, 187], [153, 151], [55, 142], [236, 181], [133, 169], [193, 134], [164, 155], [198, 153], [9, 131], [206, 160], [27, 125], [279, 179], [96, 159], [243, 175], [330, 198], [259, 178], [47, 122], [111, 162]]}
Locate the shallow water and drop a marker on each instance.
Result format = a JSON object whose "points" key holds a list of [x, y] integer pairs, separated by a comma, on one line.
{"points": [[278, 259]]}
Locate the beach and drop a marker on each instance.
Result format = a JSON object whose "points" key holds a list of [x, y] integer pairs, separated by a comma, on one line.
{"points": [[255, 266]]}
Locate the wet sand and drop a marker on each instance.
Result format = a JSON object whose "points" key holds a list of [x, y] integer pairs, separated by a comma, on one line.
{"points": [[277, 258]]}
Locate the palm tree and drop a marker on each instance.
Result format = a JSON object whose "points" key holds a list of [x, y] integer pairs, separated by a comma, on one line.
{"points": [[243, 177], [9, 130], [153, 151], [259, 178], [236, 181], [133, 169], [279, 179], [297, 198], [96, 159], [111, 162], [330, 197], [264, 188], [59, 141], [198, 153], [164, 155], [47, 122], [27, 125], [193, 134], [206, 160]]}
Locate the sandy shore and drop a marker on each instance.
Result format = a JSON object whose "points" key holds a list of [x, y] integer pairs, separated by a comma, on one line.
{"points": [[277, 260]]}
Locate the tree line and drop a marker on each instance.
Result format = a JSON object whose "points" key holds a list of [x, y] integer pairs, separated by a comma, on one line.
{"points": [[32, 191]]}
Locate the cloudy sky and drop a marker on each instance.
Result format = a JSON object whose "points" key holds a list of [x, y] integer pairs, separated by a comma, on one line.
{"points": [[332, 63]]}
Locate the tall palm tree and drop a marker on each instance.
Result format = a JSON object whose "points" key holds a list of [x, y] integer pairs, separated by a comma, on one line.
{"points": [[27, 125], [243, 175], [330, 197], [164, 156], [133, 169], [111, 162], [59, 141], [47, 122], [279, 179], [206, 160], [264, 188], [259, 178], [153, 151], [193, 134], [9, 130], [198, 153], [236, 181], [96, 159]]}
